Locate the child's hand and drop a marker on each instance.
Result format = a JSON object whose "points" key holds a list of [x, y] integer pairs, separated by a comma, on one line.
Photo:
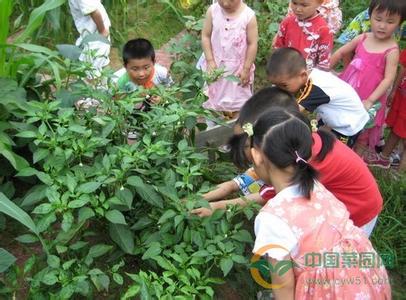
{"points": [[203, 211], [244, 77], [155, 99], [211, 66], [368, 104], [105, 33]]}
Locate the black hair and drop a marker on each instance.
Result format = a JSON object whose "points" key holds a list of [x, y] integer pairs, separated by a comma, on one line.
{"points": [[138, 49], [259, 103], [394, 7], [285, 61], [287, 141]]}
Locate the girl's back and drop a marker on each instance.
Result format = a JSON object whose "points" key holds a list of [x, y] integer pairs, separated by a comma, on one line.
{"points": [[328, 251]]}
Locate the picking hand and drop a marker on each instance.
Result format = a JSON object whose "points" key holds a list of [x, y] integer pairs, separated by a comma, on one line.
{"points": [[244, 77], [203, 211], [211, 66], [368, 104]]}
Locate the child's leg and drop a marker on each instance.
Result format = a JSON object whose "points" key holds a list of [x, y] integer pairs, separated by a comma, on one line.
{"points": [[390, 144], [402, 166]]}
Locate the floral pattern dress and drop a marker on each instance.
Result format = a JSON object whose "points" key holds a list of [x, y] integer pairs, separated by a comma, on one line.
{"points": [[333, 259], [312, 37]]}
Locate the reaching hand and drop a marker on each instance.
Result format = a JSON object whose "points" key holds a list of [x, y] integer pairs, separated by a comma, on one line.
{"points": [[211, 66], [368, 104]]}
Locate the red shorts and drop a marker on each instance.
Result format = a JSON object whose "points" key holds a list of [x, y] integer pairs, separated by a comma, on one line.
{"points": [[396, 118]]}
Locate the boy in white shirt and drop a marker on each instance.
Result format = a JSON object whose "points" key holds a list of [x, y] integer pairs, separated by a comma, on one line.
{"points": [[90, 17], [335, 102]]}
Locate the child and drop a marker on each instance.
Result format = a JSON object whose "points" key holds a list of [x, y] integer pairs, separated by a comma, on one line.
{"points": [[140, 67], [341, 170], [90, 16], [373, 68], [248, 182], [361, 24], [307, 31], [306, 224], [229, 41], [331, 12], [396, 120], [336, 103]]}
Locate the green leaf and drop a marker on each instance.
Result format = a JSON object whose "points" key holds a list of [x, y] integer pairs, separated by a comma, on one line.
{"points": [[78, 203], [142, 223], [53, 261], [226, 265], [131, 292], [15, 160], [85, 213], [122, 236], [99, 250], [67, 291], [164, 263], [50, 278], [118, 278], [34, 195], [27, 134], [9, 208], [40, 154], [101, 282], [88, 187], [242, 236], [71, 52], [6, 260], [169, 214], [239, 259], [36, 18], [153, 250], [27, 238], [43, 208], [67, 221], [146, 192], [116, 217]]}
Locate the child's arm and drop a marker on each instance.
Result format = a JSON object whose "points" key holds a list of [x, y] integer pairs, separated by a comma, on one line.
{"points": [[206, 212], [286, 281], [399, 77], [345, 51], [222, 191], [279, 38], [98, 20], [392, 60], [206, 41], [325, 49], [252, 47]]}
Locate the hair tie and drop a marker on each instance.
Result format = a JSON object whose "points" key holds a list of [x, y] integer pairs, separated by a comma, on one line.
{"points": [[248, 129], [314, 124], [298, 158]]}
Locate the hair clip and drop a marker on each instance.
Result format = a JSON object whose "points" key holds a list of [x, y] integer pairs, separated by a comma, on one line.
{"points": [[299, 159], [314, 123], [248, 129]]}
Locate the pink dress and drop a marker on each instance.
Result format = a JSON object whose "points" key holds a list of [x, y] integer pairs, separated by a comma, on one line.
{"points": [[229, 46], [333, 259], [364, 74]]}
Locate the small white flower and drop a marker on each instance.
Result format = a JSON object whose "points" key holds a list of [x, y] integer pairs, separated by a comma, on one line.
{"points": [[154, 133], [317, 206], [320, 219], [121, 188]]}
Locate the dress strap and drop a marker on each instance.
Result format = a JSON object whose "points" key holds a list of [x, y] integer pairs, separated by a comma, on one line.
{"points": [[387, 51]]}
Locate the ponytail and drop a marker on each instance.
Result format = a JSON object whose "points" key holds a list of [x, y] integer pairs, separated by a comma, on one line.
{"points": [[327, 143], [305, 175]]}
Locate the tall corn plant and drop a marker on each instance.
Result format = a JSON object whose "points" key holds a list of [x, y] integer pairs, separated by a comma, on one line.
{"points": [[6, 7]]}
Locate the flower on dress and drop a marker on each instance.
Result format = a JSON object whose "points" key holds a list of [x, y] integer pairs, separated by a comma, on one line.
{"points": [[317, 206], [298, 232], [362, 296], [320, 219]]}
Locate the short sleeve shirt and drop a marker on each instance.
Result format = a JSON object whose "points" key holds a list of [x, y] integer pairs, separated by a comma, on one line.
{"points": [[81, 10], [161, 77], [336, 103], [248, 182]]}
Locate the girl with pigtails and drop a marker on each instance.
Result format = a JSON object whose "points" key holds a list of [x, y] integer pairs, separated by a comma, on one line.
{"points": [[306, 219]]}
